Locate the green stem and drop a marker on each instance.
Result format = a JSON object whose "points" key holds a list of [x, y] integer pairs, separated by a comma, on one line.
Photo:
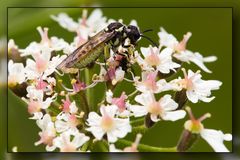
{"points": [[84, 102], [137, 122], [90, 91], [139, 129], [144, 148], [85, 146]]}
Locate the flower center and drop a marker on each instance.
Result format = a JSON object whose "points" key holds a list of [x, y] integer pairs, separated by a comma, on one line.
{"points": [[73, 121], [33, 107], [41, 64], [46, 138], [150, 82], [153, 59], [187, 84], [68, 148], [155, 108], [194, 126], [107, 123]]}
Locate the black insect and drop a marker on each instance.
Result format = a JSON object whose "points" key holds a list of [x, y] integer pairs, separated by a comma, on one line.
{"points": [[114, 35]]}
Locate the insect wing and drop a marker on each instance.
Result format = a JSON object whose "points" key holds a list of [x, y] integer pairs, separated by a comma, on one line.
{"points": [[73, 58]]}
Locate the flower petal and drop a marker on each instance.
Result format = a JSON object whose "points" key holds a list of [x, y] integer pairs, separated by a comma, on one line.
{"points": [[215, 139]]}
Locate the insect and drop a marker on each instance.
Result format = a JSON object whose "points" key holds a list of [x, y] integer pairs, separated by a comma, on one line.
{"points": [[114, 35]]}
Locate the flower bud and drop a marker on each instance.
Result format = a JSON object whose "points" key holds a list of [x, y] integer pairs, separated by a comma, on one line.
{"points": [[191, 132]]}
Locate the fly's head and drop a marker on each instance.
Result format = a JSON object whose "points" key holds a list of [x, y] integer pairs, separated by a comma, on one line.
{"points": [[132, 32]]}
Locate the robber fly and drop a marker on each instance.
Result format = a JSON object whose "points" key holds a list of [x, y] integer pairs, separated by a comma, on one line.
{"points": [[114, 35]]}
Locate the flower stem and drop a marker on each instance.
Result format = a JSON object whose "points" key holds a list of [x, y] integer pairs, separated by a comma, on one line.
{"points": [[85, 146], [137, 122], [84, 102], [89, 71], [144, 148], [139, 129]]}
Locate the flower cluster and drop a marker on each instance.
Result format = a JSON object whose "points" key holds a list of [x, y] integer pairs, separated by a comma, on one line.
{"points": [[60, 102]]}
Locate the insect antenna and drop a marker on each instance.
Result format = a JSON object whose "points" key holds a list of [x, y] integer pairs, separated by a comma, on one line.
{"points": [[150, 40], [147, 30]]}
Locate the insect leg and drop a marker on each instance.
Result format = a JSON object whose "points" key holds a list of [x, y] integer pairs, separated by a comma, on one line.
{"points": [[106, 55]]}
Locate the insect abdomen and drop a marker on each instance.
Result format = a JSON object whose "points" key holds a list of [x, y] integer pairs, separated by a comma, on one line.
{"points": [[90, 57]]}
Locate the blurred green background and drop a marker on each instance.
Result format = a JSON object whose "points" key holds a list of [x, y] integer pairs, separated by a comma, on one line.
{"points": [[212, 35]]}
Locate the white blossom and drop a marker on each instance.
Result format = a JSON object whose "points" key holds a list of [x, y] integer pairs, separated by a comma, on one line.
{"points": [[70, 141], [42, 65], [163, 109], [45, 45], [196, 88], [36, 100], [66, 122], [108, 124], [154, 59], [121, 102], [149, 83], [48, 132], [132, 148], [181, 53], [213, 137], [16, 73], [12, 45], [85, 27]]}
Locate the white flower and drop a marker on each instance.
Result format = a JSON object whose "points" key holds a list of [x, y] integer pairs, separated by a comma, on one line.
{"points": [[164, 109], [120, 102], [42, 65], [181, 53], [66, 121], [107, 124], [46, 45], [196, 88], [36, 100], [154, 59], [37, 116], [48, 132], [12, 45], [66, 22], [85, 27], [69, 107], [70, 141], [112, 148], [16, 73], [132, 148], [213, 137], [113, 75], [149, 83], [197, 58]]}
